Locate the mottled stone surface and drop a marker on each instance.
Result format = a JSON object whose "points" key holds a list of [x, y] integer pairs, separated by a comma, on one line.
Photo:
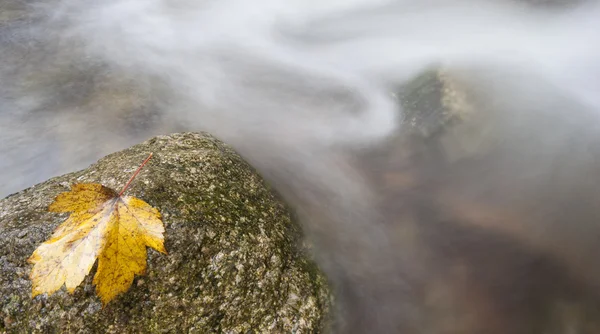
{"points": [[235, 264]]}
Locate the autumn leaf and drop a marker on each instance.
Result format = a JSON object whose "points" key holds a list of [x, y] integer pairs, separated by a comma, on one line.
{"points": [[103, 225]]}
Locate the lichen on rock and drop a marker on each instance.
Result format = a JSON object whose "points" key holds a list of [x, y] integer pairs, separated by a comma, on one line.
{"points": [[235, 264]]}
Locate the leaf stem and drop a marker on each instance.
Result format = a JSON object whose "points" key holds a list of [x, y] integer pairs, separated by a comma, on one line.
{"points": [[134, 175]]}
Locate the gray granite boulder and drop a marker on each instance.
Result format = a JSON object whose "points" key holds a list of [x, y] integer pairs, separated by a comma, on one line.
{"points": [[235, 262]]}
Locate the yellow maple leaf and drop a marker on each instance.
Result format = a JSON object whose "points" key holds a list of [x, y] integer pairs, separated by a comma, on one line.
{"points": [[103, 225]]}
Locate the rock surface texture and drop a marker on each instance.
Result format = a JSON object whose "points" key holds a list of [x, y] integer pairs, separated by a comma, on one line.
{"points": [[235, 264]]}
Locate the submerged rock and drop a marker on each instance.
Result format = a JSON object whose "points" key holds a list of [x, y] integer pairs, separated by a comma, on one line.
{"points": [[235, 264], [498, 192]]}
